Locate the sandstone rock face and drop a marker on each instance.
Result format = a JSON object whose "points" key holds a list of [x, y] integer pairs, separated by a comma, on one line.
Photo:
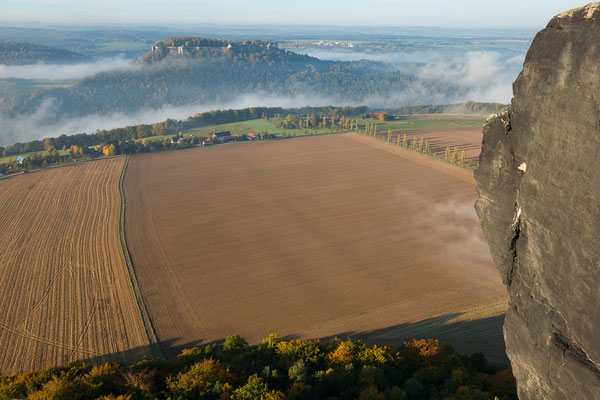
{"points": [[539, 206]]}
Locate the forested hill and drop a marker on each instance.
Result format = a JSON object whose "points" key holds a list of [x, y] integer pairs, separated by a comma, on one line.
{"points": [[14, 53], [183, 71]]}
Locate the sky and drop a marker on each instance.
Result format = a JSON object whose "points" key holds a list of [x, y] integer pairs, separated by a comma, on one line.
{"points": [[396, 13]]}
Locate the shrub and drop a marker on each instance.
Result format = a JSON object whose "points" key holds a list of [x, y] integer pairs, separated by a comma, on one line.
{"points": [[469, 393], [371, 393], [503, 384], [234, 342], [200, 380], [108, 378], [291, 351], [271, 341], [298, 371], [140, 383], [59, 388], [370, 375], [16, 387], [256, 389], [343, 354]]}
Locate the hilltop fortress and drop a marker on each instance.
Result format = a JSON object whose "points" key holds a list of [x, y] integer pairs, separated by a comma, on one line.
{"points": [[193, 46]]}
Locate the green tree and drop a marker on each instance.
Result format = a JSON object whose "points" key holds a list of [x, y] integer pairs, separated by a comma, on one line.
{"points": [[256, 389]]}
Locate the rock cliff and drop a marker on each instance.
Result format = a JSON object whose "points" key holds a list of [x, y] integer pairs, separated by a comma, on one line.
{"points": [[539, 206]]}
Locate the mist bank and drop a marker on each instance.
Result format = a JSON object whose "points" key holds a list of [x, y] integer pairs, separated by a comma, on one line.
{"points": [[57, 72], [483, 76], [35, 126], [219, 79]]}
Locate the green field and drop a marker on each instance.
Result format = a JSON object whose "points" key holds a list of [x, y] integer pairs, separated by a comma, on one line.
{"points": [[412, 122], [8, 159], [425, 122]]}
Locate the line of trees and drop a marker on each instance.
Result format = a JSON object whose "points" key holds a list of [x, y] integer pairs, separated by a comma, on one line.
{"points": [[279, 369], [171, 126], [452, 155]]}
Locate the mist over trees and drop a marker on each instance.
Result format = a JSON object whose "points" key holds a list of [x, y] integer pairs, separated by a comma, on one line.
{"points": [[215, 74], [14, 53]]}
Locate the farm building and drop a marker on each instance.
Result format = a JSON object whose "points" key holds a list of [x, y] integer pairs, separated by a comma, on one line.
{"points": [[231, 138], [220, 136]]}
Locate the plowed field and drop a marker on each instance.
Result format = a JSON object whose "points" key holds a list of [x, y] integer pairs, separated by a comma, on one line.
{"points": [[65, 294], [308, 237]]}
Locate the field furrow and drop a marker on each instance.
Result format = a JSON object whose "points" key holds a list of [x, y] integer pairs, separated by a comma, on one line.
{"points": [[311, 237], [65, 293]]}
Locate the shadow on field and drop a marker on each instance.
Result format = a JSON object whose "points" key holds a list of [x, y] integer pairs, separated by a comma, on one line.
{"points": [[138, 353], [467, 336]]}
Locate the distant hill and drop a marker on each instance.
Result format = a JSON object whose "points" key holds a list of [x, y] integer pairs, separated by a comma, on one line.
{"points": [[15, 53], [188, 70]]}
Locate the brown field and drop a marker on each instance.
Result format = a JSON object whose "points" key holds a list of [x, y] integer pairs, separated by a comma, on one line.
{"points": [[65, 294], [310, 237]]}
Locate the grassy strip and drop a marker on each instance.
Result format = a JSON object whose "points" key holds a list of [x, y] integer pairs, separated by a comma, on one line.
{"points": [[65, 164], [152, 338]]}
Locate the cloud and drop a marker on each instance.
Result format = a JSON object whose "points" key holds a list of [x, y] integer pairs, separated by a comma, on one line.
{"points": [[483, 76], [455, 224], [56, 72]]}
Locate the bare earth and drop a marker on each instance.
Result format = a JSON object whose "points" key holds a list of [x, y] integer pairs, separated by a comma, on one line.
{"points": [[64, 290], [309, 237]]}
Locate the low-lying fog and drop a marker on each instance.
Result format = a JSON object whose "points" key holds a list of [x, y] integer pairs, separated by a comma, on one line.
{"points": [[56, 72], [36, 126], [487, 76]]}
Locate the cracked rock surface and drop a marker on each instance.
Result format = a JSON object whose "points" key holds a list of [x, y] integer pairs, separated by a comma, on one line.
{"points": [[539, 206]]}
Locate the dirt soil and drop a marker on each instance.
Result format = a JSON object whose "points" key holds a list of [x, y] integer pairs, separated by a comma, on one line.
{"points": [[309, 237], [64, 290]]}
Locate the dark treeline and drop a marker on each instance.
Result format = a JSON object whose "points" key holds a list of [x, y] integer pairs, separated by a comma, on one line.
{"points": [[124, 140], [14, 53], [170, 126], [277, 370]]}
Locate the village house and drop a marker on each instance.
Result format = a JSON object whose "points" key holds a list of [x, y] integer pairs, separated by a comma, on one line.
{"points": [[220, 136]]}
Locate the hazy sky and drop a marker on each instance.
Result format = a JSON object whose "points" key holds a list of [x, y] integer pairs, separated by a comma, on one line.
{"points": [[443, 13]]}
